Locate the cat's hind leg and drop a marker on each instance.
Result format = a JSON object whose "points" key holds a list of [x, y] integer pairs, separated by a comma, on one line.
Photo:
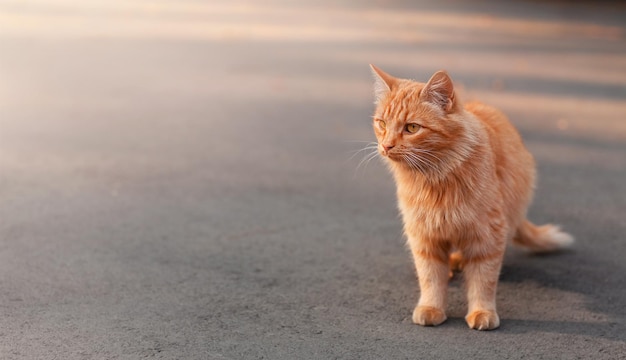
{"points": [[456, 263]]}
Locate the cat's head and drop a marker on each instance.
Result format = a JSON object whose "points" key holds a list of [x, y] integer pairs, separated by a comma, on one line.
{"points": [[418, 125]]}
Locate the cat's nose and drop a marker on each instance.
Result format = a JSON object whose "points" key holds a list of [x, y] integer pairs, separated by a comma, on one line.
{"points": [[388, 147]]}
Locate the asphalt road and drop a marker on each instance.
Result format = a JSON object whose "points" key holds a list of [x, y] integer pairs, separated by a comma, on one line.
{"points": [[176, 179]]}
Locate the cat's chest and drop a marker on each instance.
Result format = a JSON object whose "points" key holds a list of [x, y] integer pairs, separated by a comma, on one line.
{"points": [[433, 211], [437, 211]]}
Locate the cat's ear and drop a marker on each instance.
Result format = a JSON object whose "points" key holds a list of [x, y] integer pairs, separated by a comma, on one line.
{"points": [[439, 90], [383, 83]]}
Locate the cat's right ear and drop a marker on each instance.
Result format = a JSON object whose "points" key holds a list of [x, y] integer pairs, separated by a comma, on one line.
{"points": [[439, 90], [383, 83]]}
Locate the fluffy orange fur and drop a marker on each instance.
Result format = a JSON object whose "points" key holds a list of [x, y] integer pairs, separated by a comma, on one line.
{"points": [[464, 183]]}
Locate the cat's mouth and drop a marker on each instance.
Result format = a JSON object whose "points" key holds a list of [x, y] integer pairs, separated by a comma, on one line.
{"points": [[391, 155]]}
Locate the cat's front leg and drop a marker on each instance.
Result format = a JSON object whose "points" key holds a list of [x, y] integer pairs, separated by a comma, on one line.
{"points": [[481, 276], [432, 271]]}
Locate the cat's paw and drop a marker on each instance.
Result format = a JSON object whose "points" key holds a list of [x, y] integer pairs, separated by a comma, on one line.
{"points": [[483, 320], [428, 316]]}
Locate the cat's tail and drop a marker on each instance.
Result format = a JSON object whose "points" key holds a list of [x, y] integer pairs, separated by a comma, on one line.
{"points": [[543, 238]]}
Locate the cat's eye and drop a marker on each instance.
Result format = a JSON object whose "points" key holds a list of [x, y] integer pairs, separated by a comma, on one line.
{"points": [[382, 124], [412, 128]]}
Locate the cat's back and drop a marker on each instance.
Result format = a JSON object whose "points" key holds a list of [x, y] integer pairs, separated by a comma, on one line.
{"points": [[502, 134], [495, 121], [515, 166]]}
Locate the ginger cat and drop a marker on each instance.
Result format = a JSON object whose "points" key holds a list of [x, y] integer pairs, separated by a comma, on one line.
{"points": [[464, 182]]}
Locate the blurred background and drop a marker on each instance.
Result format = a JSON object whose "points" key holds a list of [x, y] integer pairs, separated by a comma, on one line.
{"points": [[181, 179]]}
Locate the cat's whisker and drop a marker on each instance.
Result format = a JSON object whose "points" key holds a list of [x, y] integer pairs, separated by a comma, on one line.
{"points": [[374, 155], [413, 161], [431, 164], [429, 153], [420, 165], [360, 141], [369, 153], [418, 157], [425, 164], [426, 152], [454, 154], [366, 159], [355, 152], [369, 146]]}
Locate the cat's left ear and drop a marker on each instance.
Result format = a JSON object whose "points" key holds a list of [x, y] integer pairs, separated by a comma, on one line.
{"points": [[439, 90], [383, 83]]}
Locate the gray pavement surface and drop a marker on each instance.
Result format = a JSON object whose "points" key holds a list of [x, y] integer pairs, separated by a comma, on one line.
{"points": [[176, 179]]}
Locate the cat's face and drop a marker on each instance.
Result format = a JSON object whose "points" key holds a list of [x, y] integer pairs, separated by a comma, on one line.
{"points": [[412, 121]]}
